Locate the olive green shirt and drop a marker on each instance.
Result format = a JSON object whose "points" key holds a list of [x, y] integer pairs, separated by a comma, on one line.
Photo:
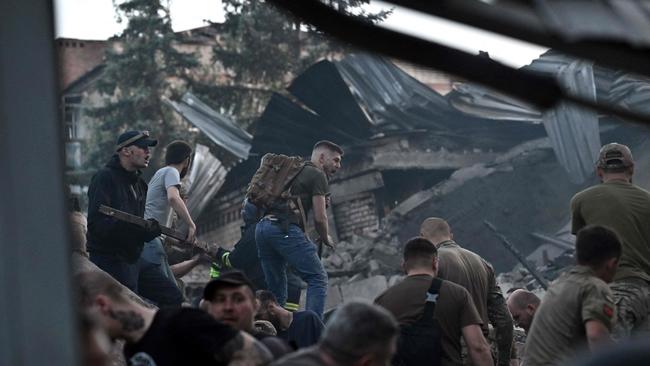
{"points": [[454, 310], [469, 270], [558, 329], [310, 182], [624, 208]]}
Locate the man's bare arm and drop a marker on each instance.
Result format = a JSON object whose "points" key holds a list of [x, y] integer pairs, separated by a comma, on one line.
{"points": [[244, 350], [477, 346], [320, 218], [183, 268], [597, 334], [177, 203]]}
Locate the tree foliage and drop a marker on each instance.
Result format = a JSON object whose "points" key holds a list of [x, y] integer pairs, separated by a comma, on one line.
{"points": [[142, 69]]}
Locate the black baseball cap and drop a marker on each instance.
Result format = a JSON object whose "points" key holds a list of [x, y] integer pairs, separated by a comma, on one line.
{"points": [[229, 278], [137, 138]]}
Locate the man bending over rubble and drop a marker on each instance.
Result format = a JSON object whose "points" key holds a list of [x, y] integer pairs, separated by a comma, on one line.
{"points": [[467, 269], [165, 337], [280, 239]]}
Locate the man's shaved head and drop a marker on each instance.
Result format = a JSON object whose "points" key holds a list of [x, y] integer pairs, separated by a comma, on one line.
{"points": [[523, 305], [435, 230], [521, 298]]}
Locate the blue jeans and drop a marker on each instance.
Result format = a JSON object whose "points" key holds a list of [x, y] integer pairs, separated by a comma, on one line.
{"points": [[154, 252], [277, 248], [142, 277]]}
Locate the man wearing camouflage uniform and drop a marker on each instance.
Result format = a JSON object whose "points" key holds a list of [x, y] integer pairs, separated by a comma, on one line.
{"points": [[625, 208], [577, 311], [469, 270]]}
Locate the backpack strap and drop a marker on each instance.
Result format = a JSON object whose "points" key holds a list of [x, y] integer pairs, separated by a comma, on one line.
{"points": [[432, 298]]}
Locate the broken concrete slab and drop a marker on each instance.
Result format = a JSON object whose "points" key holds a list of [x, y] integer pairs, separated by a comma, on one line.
{"points": [[367, 289]]}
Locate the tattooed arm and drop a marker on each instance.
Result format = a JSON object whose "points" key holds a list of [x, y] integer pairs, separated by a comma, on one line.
{"points": [[244, 350]]}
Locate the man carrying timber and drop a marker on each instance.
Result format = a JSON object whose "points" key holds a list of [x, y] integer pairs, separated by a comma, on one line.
{"points": [[114, 245]]}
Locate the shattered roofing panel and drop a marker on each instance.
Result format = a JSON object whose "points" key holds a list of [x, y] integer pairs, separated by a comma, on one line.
{"points": [[217, 127], [479, 101], [205, 179], [574, 131], [603, 20], [393, 97], [322, 89], [631, 91]]}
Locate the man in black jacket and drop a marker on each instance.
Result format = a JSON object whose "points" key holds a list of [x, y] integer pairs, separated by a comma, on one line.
{"points": [[115, 246]]}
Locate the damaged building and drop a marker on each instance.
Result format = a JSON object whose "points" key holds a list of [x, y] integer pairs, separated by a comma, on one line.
{"points": [[469, 156]]}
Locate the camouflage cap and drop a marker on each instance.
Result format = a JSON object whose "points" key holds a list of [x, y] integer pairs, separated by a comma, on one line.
{"points": [[615, 156]]}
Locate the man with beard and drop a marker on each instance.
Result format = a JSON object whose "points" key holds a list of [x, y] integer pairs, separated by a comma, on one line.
{"points": [[280, 237], [163, 195], [301, 328]]}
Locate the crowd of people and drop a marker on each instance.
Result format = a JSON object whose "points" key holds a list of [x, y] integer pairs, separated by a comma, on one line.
{"points": [[448, 310]]}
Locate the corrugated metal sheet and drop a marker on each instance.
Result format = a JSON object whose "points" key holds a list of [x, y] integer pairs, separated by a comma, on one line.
{"points": [[625, 21], [394, 99], [287, 127], [206, 177], [574, 131], [222, 131]]}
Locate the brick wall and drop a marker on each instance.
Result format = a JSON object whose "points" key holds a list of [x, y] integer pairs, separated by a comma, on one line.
{"points": [[358, 213], [77, 57]]}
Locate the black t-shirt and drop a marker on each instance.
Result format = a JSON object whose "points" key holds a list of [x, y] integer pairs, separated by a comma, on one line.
{"points": [[305, 329], [180, 337]]}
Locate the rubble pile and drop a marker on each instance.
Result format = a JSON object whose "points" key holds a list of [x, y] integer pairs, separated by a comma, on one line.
{"points": [[520, 277], [361, 268]]}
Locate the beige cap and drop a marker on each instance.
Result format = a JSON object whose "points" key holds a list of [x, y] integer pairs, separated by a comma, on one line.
{"points": [[615, 156]]}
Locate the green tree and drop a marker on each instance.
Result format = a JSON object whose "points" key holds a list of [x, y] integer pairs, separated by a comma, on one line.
{"points": [[142, 69], [262, 49]]}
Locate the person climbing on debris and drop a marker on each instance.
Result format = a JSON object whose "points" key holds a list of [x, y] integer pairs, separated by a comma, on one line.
{"points": [[280, 235], [467, 269], [578, 310], [164, 194], [244, 257], [625, 208]]}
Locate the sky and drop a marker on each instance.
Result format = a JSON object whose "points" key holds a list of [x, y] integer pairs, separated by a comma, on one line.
{"points": [[95, 19]]}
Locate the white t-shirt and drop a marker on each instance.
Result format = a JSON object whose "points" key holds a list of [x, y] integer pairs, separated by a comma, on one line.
{"points": [[157, 206]]}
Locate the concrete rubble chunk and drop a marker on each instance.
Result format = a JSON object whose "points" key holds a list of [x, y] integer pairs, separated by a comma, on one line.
{"points": [[367, 289]]}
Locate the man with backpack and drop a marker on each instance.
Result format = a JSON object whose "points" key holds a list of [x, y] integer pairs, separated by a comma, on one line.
{"points": [[286, 189], [433, 313]]}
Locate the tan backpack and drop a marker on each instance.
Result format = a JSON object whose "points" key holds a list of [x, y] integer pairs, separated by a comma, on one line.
{"points": [[272, 182]]}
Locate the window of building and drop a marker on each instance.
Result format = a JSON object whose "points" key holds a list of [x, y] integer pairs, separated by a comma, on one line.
{"points": [[72, 116]]}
